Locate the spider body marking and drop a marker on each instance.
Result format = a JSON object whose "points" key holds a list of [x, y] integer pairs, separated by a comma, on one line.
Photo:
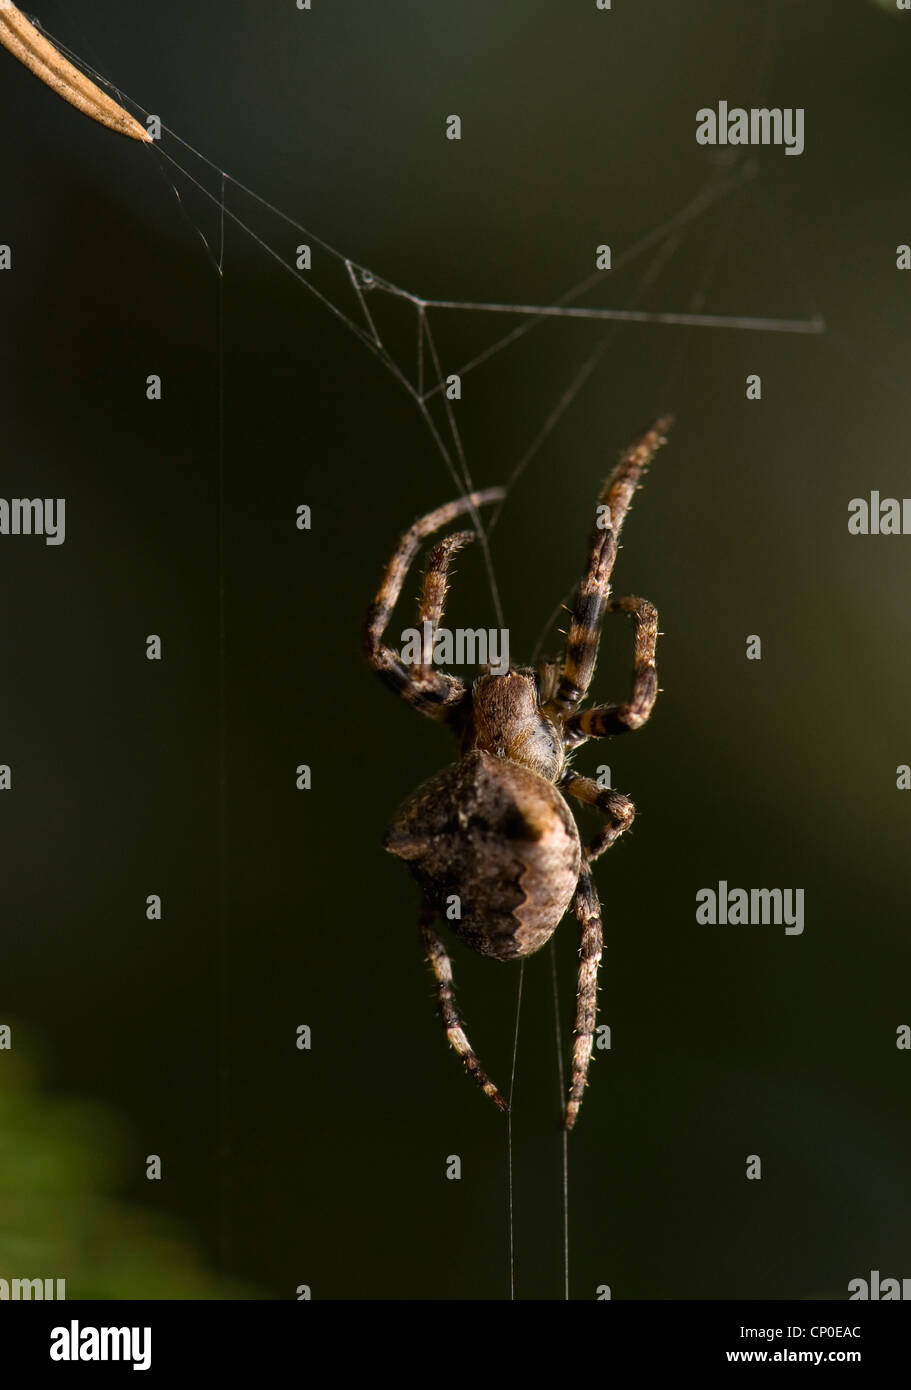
{"points": [[500, 841], [493, 831]]}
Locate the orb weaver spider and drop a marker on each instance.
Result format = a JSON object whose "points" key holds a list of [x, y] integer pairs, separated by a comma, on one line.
{"points": [[493, 832]]}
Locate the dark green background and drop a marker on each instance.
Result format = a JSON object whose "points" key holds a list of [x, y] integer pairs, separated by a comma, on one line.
{"points": [[327, 1167]]}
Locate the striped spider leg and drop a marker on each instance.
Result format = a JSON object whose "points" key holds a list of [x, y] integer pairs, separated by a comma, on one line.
{"points": [[431, 692]]}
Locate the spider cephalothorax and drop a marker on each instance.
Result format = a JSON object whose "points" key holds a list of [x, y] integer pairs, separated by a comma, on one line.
{"points": [[490, 839], [505, 718]]}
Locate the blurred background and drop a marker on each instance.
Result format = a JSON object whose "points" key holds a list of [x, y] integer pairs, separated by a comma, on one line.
{"points": [[327, 1167]]}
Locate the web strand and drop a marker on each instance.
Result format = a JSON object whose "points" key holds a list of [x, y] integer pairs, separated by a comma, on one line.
{"points": [[225, 1224], [664, 254], [510, 1193], [745, 322], [561, 1081]]}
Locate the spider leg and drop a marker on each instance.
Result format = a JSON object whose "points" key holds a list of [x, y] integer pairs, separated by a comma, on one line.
{"points": [[433, 595], [618, 809], [591, 602], [432, 692], [548, 673], [588, 910], [603, 720], [620, 812], [440, 964]]}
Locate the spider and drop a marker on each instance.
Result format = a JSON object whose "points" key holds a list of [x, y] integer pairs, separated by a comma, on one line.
{"points": [[492, 832]]}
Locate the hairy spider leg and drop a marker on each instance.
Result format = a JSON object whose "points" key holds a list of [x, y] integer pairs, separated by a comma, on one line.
{"points": [[431, 692], [433, 594], [588, 910], [584, 633], [439, 962], [603, 721], [617, 808], [620, 813]]}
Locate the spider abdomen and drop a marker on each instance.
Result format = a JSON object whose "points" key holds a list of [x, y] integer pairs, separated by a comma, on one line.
{"points": [[496, 850]]}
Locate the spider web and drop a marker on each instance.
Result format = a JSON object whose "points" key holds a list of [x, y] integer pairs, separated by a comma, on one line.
{"points": [[349, 290], [405, 331], [357, 295]]}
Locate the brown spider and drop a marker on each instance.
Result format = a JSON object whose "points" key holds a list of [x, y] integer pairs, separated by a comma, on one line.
{"points": [[492, 832]]}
